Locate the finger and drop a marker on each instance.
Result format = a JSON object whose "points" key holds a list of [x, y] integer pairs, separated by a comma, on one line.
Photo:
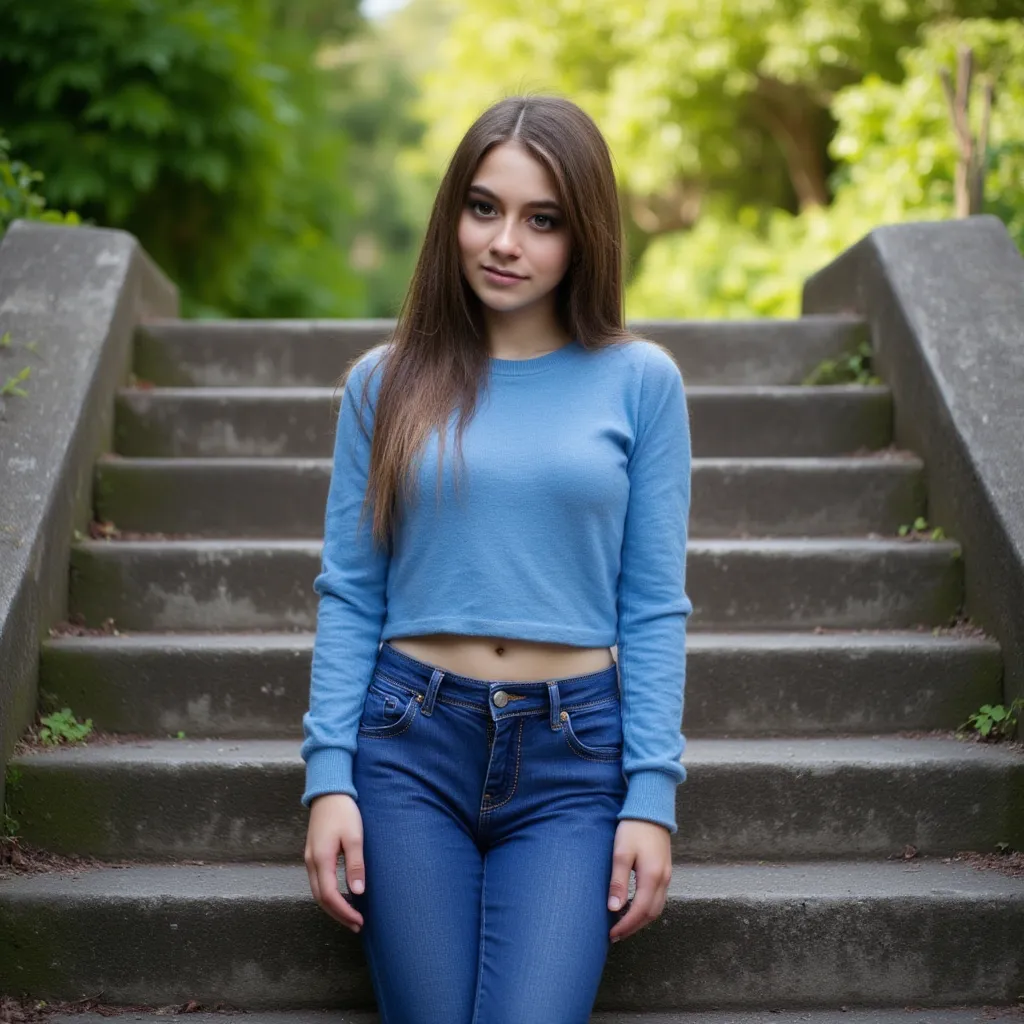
{"points": [[640, 913], [314, 882], [330, 898], [618, 887], [355, 870]]}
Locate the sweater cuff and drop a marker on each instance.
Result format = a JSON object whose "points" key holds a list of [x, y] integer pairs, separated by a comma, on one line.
{"points": [[651, 796], [328, 770]]}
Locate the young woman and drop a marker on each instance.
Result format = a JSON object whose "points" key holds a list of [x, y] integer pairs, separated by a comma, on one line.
{"points": [[490, 773]]}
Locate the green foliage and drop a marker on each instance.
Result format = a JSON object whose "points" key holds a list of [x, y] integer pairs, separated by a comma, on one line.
{"points": [[12, 385], [753, 141], [897, 154], [198, 125], [993, 721], [19, 197], [919, 528], [852, 368], [62, 727], [372, 100]]}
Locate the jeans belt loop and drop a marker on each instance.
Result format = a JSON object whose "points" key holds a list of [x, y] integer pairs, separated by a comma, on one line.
{"points": [[428, 701], [553, 694]]}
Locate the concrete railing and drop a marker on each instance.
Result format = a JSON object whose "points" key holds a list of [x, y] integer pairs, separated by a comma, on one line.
{"points": [[75, 295], [945, 304]]}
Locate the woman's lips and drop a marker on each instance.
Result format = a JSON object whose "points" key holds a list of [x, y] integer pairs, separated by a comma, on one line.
{"points": [[497, 277]]}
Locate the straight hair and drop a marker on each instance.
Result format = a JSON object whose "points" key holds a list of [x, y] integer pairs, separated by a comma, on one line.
{"points": [[437, 357]]}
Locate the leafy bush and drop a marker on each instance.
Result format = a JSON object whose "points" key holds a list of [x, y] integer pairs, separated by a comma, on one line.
{"points": [[18, 196], [199, 126], [897, 152]]}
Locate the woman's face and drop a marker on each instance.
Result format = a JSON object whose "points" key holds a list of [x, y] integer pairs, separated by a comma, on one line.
{"points": [[513, 240]]}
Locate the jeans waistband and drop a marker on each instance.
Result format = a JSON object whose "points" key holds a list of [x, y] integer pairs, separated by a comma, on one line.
{"points": [[500, 697]]}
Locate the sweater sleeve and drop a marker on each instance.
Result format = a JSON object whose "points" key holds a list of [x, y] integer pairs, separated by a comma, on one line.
{"points": [[653, 606], [352, 606]]}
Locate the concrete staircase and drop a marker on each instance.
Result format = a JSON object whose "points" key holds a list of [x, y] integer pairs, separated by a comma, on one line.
{"points": [[824, 679]]}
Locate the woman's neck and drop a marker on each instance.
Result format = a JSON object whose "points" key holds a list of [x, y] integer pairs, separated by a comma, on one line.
{"points": [[524, 334]]}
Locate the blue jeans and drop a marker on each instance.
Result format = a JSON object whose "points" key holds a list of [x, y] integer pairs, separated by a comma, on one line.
{"points": [[489, 816]]}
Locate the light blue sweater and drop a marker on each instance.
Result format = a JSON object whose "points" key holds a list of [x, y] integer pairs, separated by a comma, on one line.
{"points": [[569, 525]]}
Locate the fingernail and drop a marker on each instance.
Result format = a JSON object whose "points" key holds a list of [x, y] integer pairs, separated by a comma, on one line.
{"points": [[357, 885], [616, 939], [614, 903]]}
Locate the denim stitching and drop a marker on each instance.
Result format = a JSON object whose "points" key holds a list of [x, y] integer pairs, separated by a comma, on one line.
{"points": [[515, 781], [378, 734], [480, 951], [570, 736], [378, 987], [477, 707]]}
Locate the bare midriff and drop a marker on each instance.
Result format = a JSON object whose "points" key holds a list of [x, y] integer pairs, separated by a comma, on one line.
{"points": [[497, 658]]}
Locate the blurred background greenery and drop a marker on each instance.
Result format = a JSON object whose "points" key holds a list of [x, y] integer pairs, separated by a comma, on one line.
{"points": [[278, 158]]}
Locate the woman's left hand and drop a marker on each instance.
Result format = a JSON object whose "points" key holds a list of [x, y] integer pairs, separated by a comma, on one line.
{"points": [[645, 847]]}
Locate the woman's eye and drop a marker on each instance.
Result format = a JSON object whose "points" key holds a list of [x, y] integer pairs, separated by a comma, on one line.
{"points": [[485, 209]]}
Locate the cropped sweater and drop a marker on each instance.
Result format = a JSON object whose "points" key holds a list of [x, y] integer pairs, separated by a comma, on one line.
{"points": [[569, 526]]}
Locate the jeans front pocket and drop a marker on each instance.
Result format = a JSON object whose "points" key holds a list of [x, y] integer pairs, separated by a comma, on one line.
{"points": [[389, 708], [594, 732]]}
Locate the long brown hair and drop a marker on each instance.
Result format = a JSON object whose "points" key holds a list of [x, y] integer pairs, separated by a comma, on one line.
{"points": [[437, 358]]}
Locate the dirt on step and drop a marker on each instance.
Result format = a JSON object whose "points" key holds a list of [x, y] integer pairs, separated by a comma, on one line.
{"points": [[33, 1011]]}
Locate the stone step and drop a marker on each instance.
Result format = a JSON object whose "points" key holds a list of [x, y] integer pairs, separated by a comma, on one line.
{"points": [[737, 684], [885, 1015], [266, 497], [730, 936], [770, 799], [735, 584], [314, 353], [727, 422]]}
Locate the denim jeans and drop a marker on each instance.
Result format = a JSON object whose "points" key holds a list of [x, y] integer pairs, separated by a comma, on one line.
{"points": [[489, 816]]}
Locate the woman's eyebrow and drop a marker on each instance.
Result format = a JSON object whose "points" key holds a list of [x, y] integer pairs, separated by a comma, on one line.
{"points": [[545, 204]]}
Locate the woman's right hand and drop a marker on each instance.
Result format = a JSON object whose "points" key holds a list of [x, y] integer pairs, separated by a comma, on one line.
{"points": [[335, 826]]}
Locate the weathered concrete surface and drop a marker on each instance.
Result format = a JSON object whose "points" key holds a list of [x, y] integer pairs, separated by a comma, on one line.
{"points": [[78, 293], [246, 497], [731, 936], [945, 302], [770, 799], [726, 422], [735, 584], [737, 684], [314, 353], [945, 1015]]}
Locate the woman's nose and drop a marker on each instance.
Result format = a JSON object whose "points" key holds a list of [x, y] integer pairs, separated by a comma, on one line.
{"points": [[506, 239]]}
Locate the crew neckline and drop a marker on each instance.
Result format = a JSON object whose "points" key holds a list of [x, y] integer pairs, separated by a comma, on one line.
{"points": [[535, 364]]}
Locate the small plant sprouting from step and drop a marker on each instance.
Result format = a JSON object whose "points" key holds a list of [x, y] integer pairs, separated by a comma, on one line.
{"points": [[62, 727], [993, 722], [853, 368], [12, 386], [179, 735], [921, 530]]}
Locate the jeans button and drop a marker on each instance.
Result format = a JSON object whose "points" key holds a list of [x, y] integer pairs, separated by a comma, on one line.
{"points": [[501, 698]]}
